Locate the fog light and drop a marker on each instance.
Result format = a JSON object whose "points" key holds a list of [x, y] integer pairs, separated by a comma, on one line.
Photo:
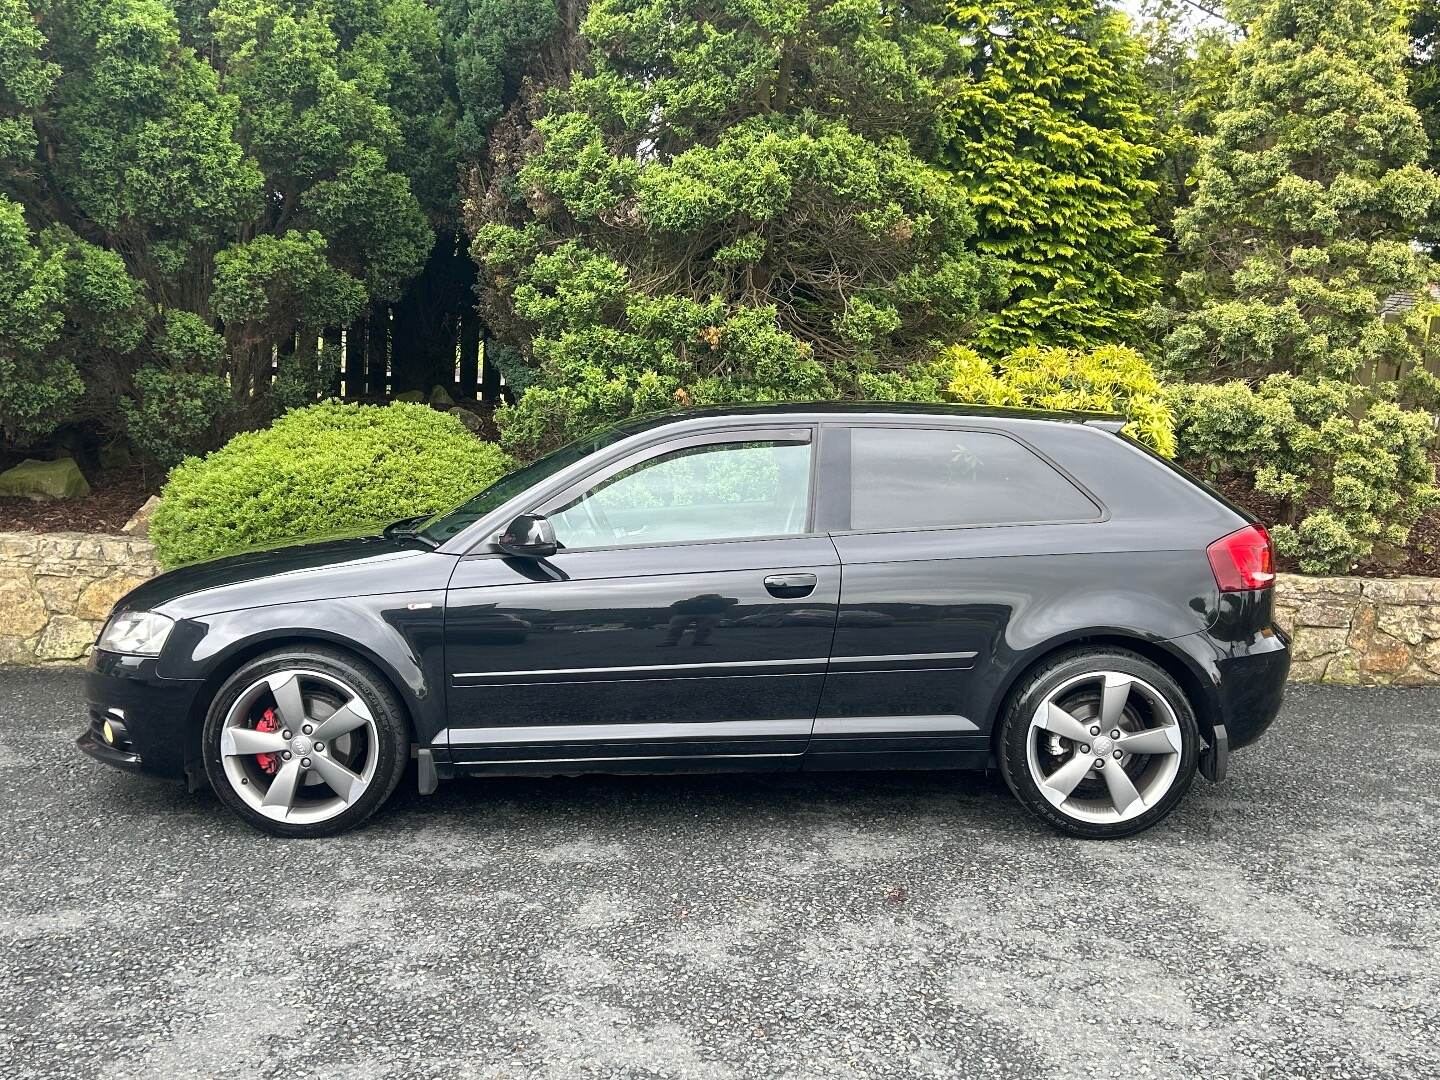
{"points": [[108, 732]]}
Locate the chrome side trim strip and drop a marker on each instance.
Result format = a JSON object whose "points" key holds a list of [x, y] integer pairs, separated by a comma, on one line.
{"points": [[639, 667], [553, 733], [880, 725], [724, 729], [895, 658], [890, 658]]}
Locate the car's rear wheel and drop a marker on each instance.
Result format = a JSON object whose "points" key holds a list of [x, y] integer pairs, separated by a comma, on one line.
{"points": [[305, 742], [1099, 743]]}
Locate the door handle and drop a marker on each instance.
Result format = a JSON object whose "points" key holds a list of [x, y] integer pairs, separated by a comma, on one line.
{"points": [[789, 586]]}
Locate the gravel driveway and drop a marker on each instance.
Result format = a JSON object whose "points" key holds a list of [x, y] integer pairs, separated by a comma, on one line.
{"points": [[1282, 924]]}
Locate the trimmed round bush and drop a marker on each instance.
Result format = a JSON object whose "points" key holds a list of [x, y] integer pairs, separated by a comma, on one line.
{"points": [[328, 468]]}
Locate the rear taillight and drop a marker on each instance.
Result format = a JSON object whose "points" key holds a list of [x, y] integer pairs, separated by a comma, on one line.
{"points": [[1243, 560]]}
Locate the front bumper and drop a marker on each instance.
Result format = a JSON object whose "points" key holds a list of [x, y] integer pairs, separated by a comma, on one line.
{"points": [[152, 717], [91, 742]]}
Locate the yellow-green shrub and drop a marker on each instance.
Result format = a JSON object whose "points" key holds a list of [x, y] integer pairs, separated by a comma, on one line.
{"points": [[327, 468], [1111, 378]]}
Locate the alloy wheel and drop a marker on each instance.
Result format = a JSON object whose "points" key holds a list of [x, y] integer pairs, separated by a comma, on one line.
{"points": [[299, 746], [1104, 747]]}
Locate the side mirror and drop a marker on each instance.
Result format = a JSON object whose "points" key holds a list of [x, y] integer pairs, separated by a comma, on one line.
{"points": [[530, 536]]}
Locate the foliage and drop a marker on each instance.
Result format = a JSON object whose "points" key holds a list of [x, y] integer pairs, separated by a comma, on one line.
{"points": [[1423, 69], [1111, 378], [327, 468], [61, 299], [726, 204], [1349, 468], [179, 400], [1049, 139], [1307, 201], [265, 167], [1187, 71], [492, 42]]}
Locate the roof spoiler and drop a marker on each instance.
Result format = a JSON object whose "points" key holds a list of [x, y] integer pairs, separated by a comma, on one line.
{"points": [[1112, 424]]}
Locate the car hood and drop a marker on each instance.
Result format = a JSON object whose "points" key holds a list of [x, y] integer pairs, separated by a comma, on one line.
{"points": [[306, 569]]}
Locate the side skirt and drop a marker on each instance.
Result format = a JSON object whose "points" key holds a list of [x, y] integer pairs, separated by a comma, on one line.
{"points": [[644, 765]]}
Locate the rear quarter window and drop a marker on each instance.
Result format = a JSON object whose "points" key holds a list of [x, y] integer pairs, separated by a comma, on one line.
{"points": [[926, 478]]}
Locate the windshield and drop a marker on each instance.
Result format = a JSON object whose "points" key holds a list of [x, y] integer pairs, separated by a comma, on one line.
{"points": [[445, 525]]}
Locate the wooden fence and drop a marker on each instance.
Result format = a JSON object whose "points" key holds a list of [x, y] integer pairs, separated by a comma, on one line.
{"points": [[378, 364], [431, 337]]}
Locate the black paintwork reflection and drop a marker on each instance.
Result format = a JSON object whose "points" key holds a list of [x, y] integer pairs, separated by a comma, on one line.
{"points": [[927, 594], [659, 610], [335, 568]]}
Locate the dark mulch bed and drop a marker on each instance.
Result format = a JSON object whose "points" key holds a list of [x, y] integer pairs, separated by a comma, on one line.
{"points": [[114, 497]]}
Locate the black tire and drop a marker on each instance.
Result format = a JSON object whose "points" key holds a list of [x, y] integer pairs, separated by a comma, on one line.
{"points": [[1013, 746], [391, 744]]}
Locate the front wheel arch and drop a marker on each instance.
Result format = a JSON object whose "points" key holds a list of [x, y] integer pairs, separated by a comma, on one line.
{"points": [[384, 712], [233, 660]]}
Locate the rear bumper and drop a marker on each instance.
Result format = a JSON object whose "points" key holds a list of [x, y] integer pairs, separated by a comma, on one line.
{"points": [[1241, 684], [1252, 687], [151, 717]]}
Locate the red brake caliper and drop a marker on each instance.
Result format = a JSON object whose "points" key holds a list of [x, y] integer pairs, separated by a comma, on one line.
{"points": [[269, 763]]}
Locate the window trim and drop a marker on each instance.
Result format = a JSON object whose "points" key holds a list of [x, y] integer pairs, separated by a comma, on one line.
{"points": [[788, 435], [842, 480]]}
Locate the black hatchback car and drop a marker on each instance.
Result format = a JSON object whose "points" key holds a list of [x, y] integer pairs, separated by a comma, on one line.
{"points": [[764, 588]]}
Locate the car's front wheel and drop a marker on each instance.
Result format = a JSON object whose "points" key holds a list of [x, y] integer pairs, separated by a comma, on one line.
{"points": [[1099, 743], [305, 741]]}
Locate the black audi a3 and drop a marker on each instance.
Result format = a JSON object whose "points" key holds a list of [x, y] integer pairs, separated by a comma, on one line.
{"points": [[811, 587]]}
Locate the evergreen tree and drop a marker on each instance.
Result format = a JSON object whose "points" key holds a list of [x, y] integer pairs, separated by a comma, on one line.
{"points": [[727, 203], [1187, 73], [187, 185], [1049, 139], [1309, 198]]}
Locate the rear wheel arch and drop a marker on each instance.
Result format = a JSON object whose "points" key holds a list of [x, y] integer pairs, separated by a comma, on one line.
{"points": [[1189, 677]]}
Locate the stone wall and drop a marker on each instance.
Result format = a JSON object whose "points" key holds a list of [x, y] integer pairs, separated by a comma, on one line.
{"points": [[1362, 631], [57, 588]]}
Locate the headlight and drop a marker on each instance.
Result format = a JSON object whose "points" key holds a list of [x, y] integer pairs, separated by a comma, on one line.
{"points": [[140, 633]]}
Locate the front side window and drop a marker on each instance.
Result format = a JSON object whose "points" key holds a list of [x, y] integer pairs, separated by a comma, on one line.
{"points": [[927, 478], [722, 491], [443, 526]]}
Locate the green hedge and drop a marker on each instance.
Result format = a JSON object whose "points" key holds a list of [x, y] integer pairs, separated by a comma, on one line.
{"points": [[328, 468]]}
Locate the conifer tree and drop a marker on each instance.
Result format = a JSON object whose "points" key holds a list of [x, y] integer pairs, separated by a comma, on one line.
{"points": [[1051, 142], [1309, 199]]}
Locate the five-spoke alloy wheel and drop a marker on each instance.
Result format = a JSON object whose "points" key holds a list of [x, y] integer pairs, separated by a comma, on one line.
{"points": [[1099, 743], [305, 742]]}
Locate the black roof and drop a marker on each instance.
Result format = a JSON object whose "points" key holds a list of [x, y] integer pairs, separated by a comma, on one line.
{"points": [[810, 409]]}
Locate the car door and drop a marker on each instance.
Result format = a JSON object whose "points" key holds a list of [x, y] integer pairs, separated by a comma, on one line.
{"points": [[688, 614], [931, 523]]}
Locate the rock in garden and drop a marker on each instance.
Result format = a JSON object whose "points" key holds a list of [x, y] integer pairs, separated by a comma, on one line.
{"points": [[44, 481], [139, 525], [473, 423], [116, 455]]}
